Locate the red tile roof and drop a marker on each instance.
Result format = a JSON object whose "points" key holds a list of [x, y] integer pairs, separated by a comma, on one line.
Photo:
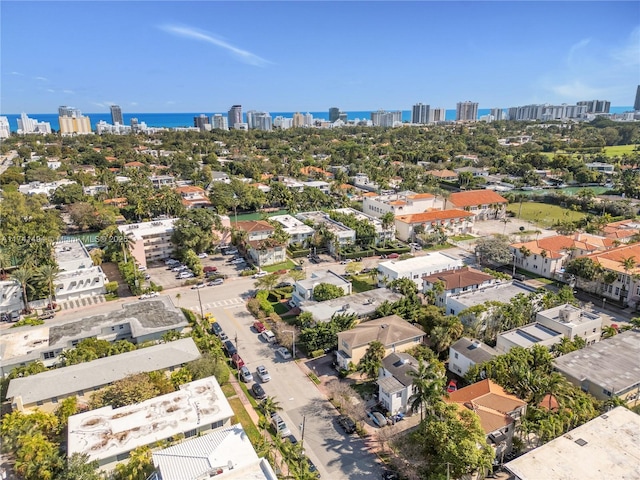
{"points": [[134, 164], [472, 198], [433, 216], [611, 259], [254, 226], [460, 278]]}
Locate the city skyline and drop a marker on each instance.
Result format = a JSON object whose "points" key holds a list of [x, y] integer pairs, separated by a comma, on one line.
{"points": [[212, 55]]}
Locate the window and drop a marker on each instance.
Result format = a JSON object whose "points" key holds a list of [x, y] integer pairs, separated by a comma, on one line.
{"points": [[617, 291], [39, 403], [399, 395], [190, 433], [121, 327], [54, 400], [606, 392], [455, 355], [122, 457], [217, 424], [594, 330], [49, 355]]}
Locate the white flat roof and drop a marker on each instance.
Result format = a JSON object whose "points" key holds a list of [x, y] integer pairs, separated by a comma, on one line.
{"points": [[140, 230], [322, 277], [529, 335], [605, 447], [430, 262], [70, 252], [107, 432], [292, 224], [362, 304], [64, 381], [214, 452], [502, 292]]}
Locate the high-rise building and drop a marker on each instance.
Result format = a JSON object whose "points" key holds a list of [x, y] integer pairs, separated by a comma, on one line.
{"points": [[235, 115], [382, 118], [65, 111], [596, 106], [262, 121], [116, 115], [298, 120], [466, 111], [31, 125], [251, 118], [334, 114], [308, 119], [72, 121], [134, 125], [636, 104], [201, 122], [220, 122], [5, 131], [420, 113], [497, 114], [437, 115]]}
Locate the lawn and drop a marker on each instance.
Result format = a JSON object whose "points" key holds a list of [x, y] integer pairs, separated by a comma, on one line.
{"points": [[244, 419], [280, 308], [288, 265], [543, 214], [362, 283], [619, 150], [462, 238]]}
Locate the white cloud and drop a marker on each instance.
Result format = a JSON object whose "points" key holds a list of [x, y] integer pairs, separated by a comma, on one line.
{"points": [[629, 54], [98, 104], [577, 89], [195, 34], [170, 102], [133, 104], [42, 79], [71, 92], [17, 73], [575, 49], [51, 90]]}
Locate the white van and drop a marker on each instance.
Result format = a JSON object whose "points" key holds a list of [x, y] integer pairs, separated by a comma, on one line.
{"points": [[279, 426]]}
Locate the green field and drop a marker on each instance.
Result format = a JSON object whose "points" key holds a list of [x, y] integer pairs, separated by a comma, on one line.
{"points": [[543, 214], [619, 150]]}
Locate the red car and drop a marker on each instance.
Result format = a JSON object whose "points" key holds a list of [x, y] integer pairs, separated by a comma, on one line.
{"points": [[237, 361], [210, 269], [259, 326], [393, 255], [453, 386]]}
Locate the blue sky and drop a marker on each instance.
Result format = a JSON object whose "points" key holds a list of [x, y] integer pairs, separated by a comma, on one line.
{"points": [[163, 56]]}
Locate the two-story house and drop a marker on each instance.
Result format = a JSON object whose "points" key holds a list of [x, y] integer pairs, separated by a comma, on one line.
{"points": [[193, 197], [395, 382], [467, 352], [261, 247], [396, 334], [303, 289], [403, 203], [455, 281], [483, 204], [500, 412], [453, 222]]}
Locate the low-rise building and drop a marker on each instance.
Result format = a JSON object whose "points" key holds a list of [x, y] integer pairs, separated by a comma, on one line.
{"points": [[403, 203], [395, 382], [324, 187], [500, 412], [37, 188], [298, 232], [226, 453], [45, 390], [256, 229], [606, 168], [303, 289], [446, 175], [456, 281], [193, 197], [11, 301], [266, 252], [606, 369], [622, 231], [572, 322], [220, 177], [363, 304], [108, 434], [136, 322], [384, 232], [160, 180], [78, 276], [416, 268], [396, 334], [527, 336], [501, 292], [605, 447], [467, 352], [483, 204], [341, 234], [454, 222], [151, 240]]}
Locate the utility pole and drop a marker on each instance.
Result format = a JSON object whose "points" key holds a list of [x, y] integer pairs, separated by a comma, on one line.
{"points": [[200, 302], [238, 352]]}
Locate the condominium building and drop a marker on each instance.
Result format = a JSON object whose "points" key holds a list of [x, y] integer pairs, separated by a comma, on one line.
{"points": [[636, 104], [437, 115], [5, 129], [334, 114], [73, 122], [497, 114], [383, 232], [298, 232], [116, 115], [596, 106], [342, 235], [401, 203], [202, 122], [546, 112], [298, 120], [235, 115], [220, 122], [382, 118], [151, 240], [416, 268], [31, 125], [466, 111], [78, 276], [420, 113]]}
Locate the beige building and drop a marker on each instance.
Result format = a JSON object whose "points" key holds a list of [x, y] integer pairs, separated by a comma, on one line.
{"points": [[396, 334], [454, 222], [74, 125], [483, 204], [151, 240], [403, 203]]}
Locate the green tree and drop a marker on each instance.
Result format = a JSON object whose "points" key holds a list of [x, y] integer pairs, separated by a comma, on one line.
{"points": [[494, 250], [139, 466], [427, 387], [49, 274], [24, 275], [326, 291], [371, 361], [68, 194], [270, 405], [132, 389], [38, 458], [195, 231], [268, 282], [78, 467], [66, 408]]}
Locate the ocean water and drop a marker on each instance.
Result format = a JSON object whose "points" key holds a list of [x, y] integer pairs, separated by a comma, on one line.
{"points": [[186, 119]]}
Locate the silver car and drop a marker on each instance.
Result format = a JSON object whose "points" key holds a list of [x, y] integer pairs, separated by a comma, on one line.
{"points": [[263, 373]]}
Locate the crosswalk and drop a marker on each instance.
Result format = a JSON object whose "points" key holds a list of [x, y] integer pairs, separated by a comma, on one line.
{"points": [[228, 303], [81, 302]]}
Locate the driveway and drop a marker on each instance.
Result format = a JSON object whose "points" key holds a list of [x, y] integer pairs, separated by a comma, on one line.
{"points": [[113, 274]]}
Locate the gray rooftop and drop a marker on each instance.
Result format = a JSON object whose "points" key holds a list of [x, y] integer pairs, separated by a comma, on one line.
{"points": [[502, 292], [323, 277], [475, 350], [70, 253], [569, 315], [605, 447], [399, 365], [64, 381], [613, 363], [528, 335], [362, 304]]}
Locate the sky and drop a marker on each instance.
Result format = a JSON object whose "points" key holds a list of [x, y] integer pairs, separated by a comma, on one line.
{"points": [[204, 56]]}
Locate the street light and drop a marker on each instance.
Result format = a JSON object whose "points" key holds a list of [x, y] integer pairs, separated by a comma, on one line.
{"points": [[513, 275], [200, 302], [604, 300], [293, 334]]}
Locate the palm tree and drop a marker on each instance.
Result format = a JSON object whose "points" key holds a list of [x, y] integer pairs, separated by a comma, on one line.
{"points": [[524, 251], [5, 262], [178, 297], [428, 386], [23, 275], [609, 331], [388, 219], [371, 362], [268, 282], [296, 275], [270, 405], [49, 274], [127, 241]]}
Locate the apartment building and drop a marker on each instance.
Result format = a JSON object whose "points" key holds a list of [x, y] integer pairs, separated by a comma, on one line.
{"points": [[298, 232], [416, 268], [383, 232], [193, 197], [483, 204], [454, 222], [342, 235], [78, 276], [151, 240], [403, 203]]}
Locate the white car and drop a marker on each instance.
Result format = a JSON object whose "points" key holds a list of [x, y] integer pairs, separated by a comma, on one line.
{"points": [[283, 353], [238, 261], [202, 255], [183, 275], [142, 268], [263, 373], [415, 246], [260, 274], [268, 336]]}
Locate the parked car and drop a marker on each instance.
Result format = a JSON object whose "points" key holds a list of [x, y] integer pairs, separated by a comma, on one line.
{"points": [[260, 274], [284, 285], [393, 255], [378, 419], [142, 268], [245, 374], [216, 328], [259, 326], [347, 424], [263, 373], [184, 275], [452, 386], [179, 268], [46, 315], [280, 426], [344, 262], [237, 362], [223, 336], [147, 277], [258, 391], [213, 283], [210, 268], [312, 467], [229, 347], [283, 353], [198, 285], [202, 255], [367, 270], [268, 336], [238, 261], [230, 251], [171, 261]]}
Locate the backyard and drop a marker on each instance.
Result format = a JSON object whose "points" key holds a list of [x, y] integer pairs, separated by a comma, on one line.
{"points": [[543, 214]]}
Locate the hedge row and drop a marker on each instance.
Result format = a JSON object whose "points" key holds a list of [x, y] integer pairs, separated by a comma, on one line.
{"points": [[385, 251], [298, 253]]}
